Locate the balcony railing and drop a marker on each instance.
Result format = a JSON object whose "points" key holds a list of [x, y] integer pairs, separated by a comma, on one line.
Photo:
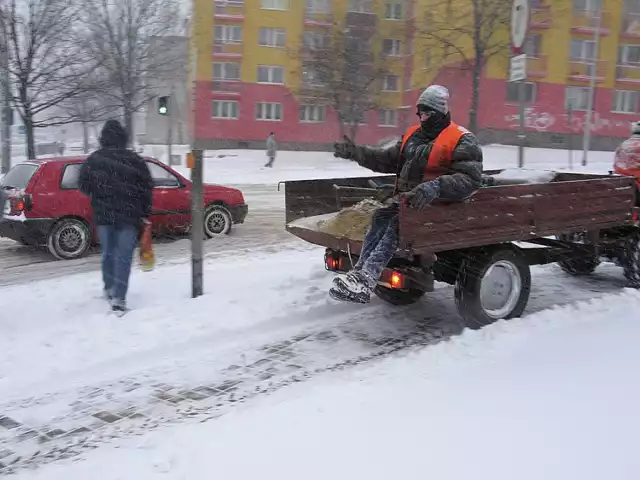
{"points": [[362, 20], [228, 50], [586, 21], [229, 11], [318, 19], [541, 17], [226, 86], [628, 74], [630, 27], [537, 66], [583, 70]]}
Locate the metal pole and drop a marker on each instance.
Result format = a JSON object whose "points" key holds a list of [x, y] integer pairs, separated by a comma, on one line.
{"points": [[569, 118], [5, 91], [197, 225], [169, 133], [592, 85], [521, 133]]}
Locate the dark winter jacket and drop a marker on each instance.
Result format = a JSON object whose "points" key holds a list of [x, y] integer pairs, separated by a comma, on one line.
{"points": [[464, 177], [117, 180]]}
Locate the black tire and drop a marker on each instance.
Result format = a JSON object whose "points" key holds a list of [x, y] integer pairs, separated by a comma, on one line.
{"points": [[68, 239], [578, 266], [398, 297], [469, 284], [631, 260], [217, 221]]}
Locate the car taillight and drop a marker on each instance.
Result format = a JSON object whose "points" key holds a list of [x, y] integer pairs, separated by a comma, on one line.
{"points": [[20, 204]]}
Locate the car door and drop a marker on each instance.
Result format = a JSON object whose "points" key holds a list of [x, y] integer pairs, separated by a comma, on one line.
{"points": [[171, 201]]}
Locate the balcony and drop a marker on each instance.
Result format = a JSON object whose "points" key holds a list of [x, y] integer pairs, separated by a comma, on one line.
{"points": [[630, 27], [228, 50], [318, 19], [536, 66], [582, 70], [628, 74], [541, 17], [586, 21], [226, 87], [362, 20], [231, 10]]}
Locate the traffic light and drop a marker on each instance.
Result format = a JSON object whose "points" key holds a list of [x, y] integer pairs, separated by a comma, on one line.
{"points": [[163, 105]]}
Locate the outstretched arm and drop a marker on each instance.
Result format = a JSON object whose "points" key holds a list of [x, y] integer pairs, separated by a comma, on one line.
{"points": [[381, 160]]}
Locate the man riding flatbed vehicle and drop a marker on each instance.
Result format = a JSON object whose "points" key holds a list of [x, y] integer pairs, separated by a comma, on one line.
{"points": [[435, 159]]}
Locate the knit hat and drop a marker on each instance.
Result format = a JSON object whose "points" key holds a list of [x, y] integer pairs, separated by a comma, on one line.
{"points": [[435, 97]]}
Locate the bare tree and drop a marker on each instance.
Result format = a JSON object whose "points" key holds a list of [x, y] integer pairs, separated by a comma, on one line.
{"points": [[130, 38], [45, 61], [339, 70], [468, 33]]}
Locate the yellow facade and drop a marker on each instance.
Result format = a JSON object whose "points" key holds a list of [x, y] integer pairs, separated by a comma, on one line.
{"points": [[555, 21]]}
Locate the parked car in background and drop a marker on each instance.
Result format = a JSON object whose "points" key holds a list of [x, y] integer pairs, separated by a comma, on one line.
{"points": [[45, 207]]}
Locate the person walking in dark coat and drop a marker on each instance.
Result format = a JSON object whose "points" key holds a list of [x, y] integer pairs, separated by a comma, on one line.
{"points": [[272, 148], [120, 186], [434, 159]]}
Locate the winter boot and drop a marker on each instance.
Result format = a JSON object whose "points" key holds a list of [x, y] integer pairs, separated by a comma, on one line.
{"points": [[353, 287]]}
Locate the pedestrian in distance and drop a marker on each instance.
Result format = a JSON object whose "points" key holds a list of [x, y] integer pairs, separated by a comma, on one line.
{"points": [[272, 148], [120, 186]]}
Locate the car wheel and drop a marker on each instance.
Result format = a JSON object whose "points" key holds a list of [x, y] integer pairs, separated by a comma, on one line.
{"points": [[68, 239], [217, 221]]}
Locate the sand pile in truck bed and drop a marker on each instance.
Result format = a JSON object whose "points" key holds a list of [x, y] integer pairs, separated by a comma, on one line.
{"points": [[351, 222]]}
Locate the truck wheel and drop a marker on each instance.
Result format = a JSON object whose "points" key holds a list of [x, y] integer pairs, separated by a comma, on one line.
{"points": [[492, 286], [631, 260], [217, 221], [577, 266], [68, 239], [398, 297]]}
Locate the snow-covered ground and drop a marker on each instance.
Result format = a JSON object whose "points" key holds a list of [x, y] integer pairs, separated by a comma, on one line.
{"points": [[550, 396], [177, 388]]}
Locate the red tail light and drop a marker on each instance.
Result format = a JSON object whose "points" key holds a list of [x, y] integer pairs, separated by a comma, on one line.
{"points": [[19, 205]]}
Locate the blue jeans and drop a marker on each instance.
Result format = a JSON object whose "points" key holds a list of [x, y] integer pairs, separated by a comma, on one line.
{"points": [[117, 243], [380, 243]]}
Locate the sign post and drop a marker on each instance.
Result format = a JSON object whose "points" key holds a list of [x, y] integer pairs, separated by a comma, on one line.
{"points": [[518, 65], [194, 161]]}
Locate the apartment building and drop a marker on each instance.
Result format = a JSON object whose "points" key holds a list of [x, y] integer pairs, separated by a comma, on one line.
{"points": [[246, 76]]}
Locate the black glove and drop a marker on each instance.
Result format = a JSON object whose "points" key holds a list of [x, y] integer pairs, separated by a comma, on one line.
{"points": [[346, 149], [423, 195]]}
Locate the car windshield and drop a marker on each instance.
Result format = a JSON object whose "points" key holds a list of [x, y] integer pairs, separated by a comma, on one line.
{"points": [[18, 177]]}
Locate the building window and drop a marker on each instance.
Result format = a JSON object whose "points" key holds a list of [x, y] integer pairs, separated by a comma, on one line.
{"points": [[591, 6], [315, 40], [576, 98], [361, 6], [318, 6], [310, 76], [582, 50], [388, 118], [533, 45], [393, 11], [513, 92], [224, 34], [391, 47], [312, 113], [269, 111], [226, 71], [274, 4], [629, 55], [272, 37], [269, 74], [390, 83], [225, 109], [631, 7], [625, 101]]}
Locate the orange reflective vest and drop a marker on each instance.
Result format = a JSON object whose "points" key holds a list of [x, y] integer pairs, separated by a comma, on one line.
{"points": [[442, 150]]}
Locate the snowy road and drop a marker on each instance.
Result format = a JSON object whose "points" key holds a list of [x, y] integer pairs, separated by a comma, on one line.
{"points": [[264, 226]]}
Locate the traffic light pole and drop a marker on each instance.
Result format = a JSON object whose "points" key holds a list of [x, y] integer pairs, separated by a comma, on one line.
{"points": [[197, 225]]}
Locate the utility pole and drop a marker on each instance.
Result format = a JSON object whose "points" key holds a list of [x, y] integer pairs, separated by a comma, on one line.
{"points": [[522, 135], [586, 143], [5, 102], [518, 65], [197, 224], [169, 127]]}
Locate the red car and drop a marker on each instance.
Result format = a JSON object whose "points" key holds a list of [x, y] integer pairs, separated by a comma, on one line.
{"points": [[45, 206]]}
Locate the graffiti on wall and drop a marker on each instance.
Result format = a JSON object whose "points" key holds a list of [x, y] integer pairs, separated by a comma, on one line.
{"points": [[541, 121]]}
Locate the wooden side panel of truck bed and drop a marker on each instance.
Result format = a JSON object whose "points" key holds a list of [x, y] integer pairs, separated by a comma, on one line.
{"points": [[571, 203]]}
